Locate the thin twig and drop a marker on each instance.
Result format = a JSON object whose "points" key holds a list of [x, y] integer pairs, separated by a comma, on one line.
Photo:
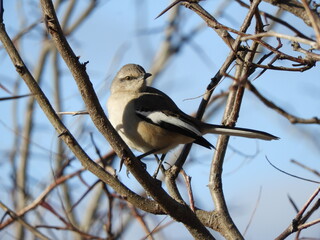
{"points": [[280, 35], [290, 174], [75, 113], [317, 173], [253, 212], [15, 97], [16, 217], [168, 8], [278, 20], [298, 221], [84, 195], [187, 180], [142, 221], [42, 196], [290, 117], [294, 205]]}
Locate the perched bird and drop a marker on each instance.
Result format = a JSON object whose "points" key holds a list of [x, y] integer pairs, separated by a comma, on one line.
{"points": [[149, 121]]}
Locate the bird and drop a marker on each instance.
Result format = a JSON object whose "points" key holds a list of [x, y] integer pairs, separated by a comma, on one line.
{"points": [[149, 121]]}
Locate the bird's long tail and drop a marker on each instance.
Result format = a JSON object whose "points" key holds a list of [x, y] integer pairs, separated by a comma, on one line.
{"points": [[241, 132]]}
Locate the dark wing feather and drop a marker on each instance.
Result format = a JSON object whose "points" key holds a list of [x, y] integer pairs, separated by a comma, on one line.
{"points": [[148, 103]]}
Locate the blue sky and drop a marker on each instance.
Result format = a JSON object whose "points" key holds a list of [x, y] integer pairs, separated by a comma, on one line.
{"points": [[112, 37]]}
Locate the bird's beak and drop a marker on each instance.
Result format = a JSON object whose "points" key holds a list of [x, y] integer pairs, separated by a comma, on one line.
{"points": [[146, 75]]}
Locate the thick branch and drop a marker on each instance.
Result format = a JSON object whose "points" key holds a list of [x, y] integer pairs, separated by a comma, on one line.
{"points": [[230, 117]]}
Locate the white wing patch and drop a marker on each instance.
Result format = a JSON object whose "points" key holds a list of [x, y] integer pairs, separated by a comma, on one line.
{"points": [[158, 117]]}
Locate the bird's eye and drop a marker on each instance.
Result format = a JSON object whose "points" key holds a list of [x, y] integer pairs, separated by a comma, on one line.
{"points": [[128, 78]]}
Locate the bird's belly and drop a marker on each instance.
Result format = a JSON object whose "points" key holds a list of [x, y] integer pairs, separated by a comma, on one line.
{"points": [[148, 137]]}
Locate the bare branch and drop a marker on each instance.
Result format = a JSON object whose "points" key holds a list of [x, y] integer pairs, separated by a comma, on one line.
{"points": [[280, 35], [315, 22], [298, 221], [317, 173], [292, 175], [15, 97], [290, 117], [14, 216]]}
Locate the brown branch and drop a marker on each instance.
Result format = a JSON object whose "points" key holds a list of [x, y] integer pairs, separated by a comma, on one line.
{"points": [[41, 197], [73, 229], [109, 223], [222, 31], [313, 44], [309, 224], [84, 195], [141, 220], [315, 22], [253, 212], [281, 54], [298, 221], [211, 22], [187, 180], [27, 132], [92, 209], [315, 207], [310, 55], [317, 173], [14, 216], [281, 68], [293, 119], [278, 20], [15, 97], [230, 117], [158, 228]]}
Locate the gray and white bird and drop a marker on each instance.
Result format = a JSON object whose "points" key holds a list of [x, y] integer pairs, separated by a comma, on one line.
{"points": [[149, 121]]}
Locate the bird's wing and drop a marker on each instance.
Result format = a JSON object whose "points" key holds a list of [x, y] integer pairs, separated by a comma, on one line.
{"points": [[157, 108]]}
